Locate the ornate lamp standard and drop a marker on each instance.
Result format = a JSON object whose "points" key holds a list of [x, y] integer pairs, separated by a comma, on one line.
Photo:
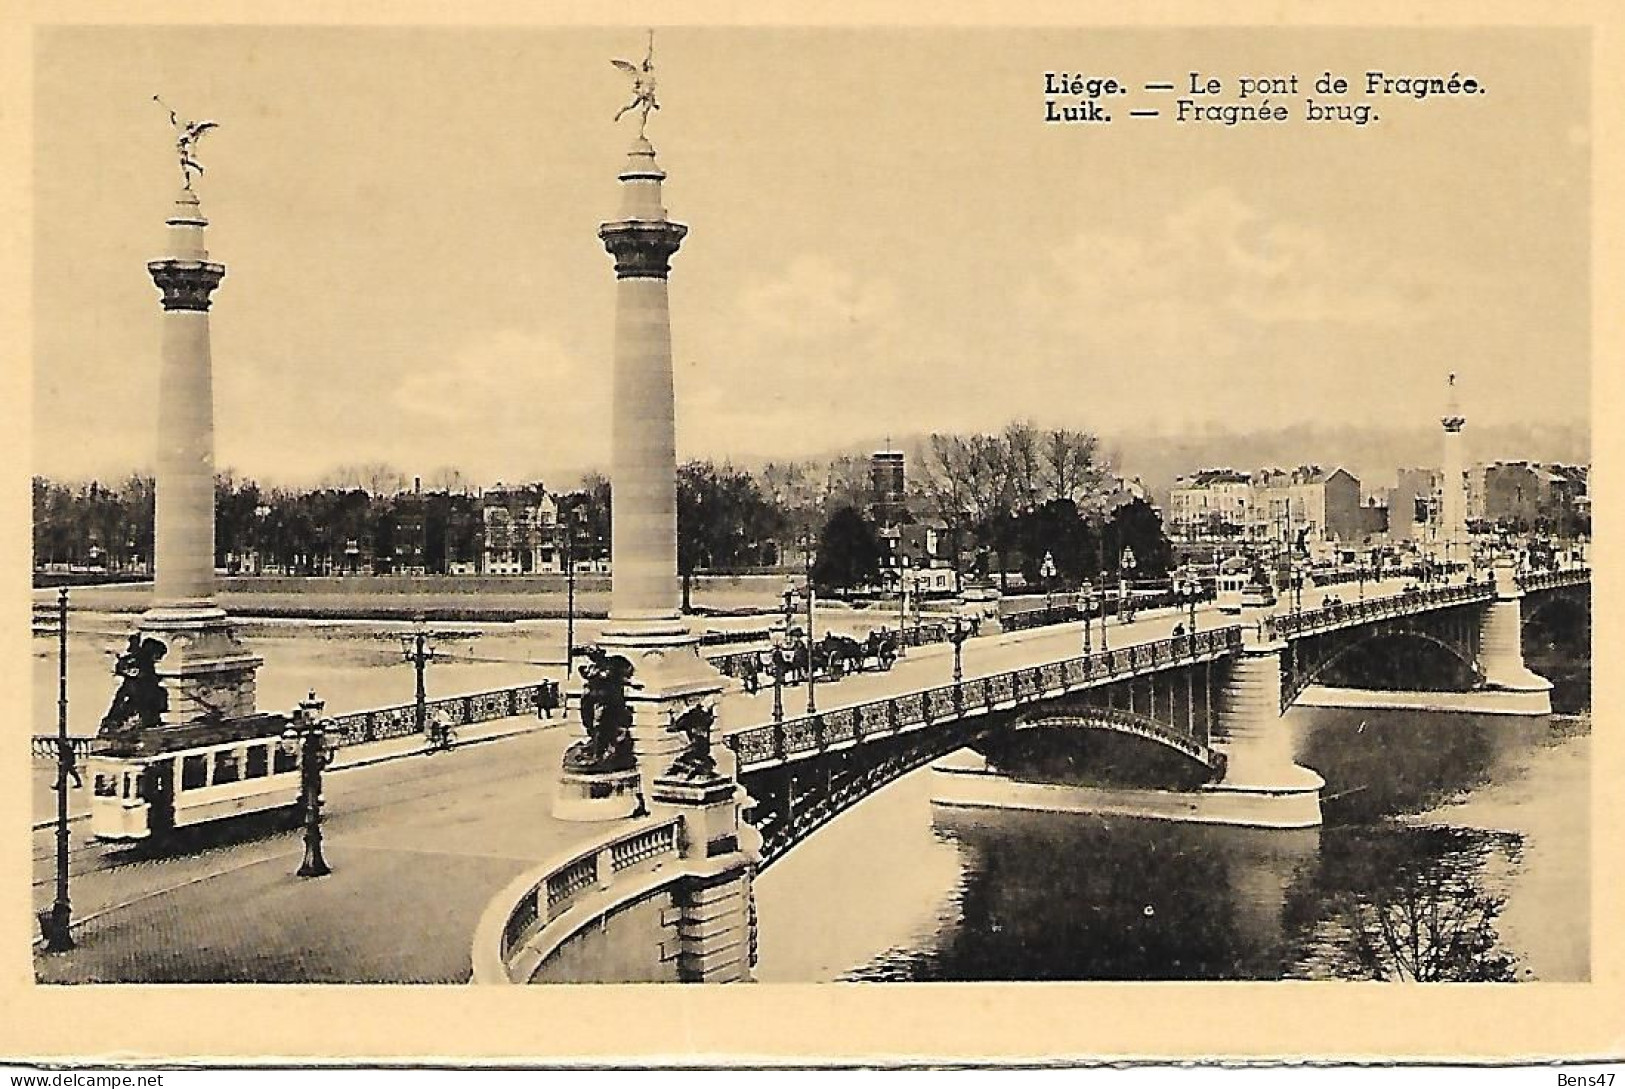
{"points": [[415, 649], [307, 736], [957, 635], [1046, 571], [778, 677], [902, 594], [812, 663], [572, 528], [1088, 604], [57, 923], [1126, 564], [1193, 587]]}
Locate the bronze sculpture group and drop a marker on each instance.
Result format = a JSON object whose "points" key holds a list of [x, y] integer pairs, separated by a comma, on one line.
{"points": [[141, 700], [605, 715]]}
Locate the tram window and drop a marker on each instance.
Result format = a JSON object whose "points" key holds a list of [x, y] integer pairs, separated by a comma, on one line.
{"points": [[106, 786], [227, 768], [194, 771], [283, 760], [256, 766]]}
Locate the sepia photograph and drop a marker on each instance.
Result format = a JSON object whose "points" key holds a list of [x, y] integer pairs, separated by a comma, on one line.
{"points": [[852, 506]]}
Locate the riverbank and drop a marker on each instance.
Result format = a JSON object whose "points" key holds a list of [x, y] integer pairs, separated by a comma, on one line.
{"points": [[443, 598]]}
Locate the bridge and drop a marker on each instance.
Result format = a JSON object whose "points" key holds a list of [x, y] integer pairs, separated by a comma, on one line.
{"points": [[1211, 701], [1213, 697]]}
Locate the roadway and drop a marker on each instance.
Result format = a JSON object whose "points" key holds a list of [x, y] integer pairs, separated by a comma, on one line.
{"points": [[418, 848], [932, 665]]}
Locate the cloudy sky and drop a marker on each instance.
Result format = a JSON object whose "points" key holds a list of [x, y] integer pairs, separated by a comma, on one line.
{"points": [[885, 239]]}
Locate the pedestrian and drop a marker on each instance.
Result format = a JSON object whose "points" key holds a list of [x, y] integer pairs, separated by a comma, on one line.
{"points": [[1179, 629], [547, 699], [67, 764]]}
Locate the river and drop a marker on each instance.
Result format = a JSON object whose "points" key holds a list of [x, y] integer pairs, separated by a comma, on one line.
{"points": [[1454, 847]]}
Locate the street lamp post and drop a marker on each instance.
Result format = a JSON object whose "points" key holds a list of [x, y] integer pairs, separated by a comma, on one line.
{"points": [[1046, 571], [58, 924], [1193, 587], [778, 676], [902, 594], [1126, 564], [415, 649], [1088, 604], [958, 635], [308, 737], [569, 593], [812, 658]]}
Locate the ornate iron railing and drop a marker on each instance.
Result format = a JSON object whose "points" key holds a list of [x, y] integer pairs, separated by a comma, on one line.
{"points": [[1290, 625], [382, 723], [804, 735], [379, 724], [1551, 580], [1073, 611]]}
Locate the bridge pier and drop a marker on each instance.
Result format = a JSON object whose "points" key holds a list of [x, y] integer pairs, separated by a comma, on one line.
{"points": [[1262, 785], [1518, 690]]}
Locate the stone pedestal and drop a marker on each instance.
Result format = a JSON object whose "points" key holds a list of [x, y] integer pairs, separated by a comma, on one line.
{"points": [[717, 921], [206, 669], [596, 796], [1500, 647], [668, 680], [1262, 784]]}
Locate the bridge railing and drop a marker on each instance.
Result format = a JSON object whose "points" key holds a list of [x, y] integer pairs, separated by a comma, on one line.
{"points": [[1289, 625], [1551, 580], [510, 943], [382, 723], [806, 734], [378, 724]]}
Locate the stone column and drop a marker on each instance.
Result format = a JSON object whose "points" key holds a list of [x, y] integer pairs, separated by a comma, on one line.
{"points": [[1452, 484], [1262, 784], [1500, 652], [646, 624], [208, 672]]}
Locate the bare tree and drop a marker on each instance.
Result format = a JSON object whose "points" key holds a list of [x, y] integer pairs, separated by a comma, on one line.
{"points": [[448, 479], [1070, 468]]}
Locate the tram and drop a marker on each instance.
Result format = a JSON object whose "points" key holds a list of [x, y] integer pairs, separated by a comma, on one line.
{"points": [[196, 779], [1230, 582]]}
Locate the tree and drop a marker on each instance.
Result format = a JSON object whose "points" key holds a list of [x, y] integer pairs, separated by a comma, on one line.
{"points": [[723, 520], [1057, 529], [848, 552], [1136, 525]]}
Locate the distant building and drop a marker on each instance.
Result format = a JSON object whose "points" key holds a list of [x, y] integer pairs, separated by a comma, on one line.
{"points": [[887, 487], [1530, 495], [1211, 504], [520, 530], [1411, 504], [1308, 503]]}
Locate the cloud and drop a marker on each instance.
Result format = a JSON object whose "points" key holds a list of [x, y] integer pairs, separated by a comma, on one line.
{"points": [[513, 399]]}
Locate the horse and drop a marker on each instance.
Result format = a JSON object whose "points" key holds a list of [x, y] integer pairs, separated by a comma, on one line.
{"points": [[837, 652], [882, 647]]}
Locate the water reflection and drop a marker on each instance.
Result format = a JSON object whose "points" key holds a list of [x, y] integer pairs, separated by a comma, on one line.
{"points": [[1439, 830], [1406, 905]]}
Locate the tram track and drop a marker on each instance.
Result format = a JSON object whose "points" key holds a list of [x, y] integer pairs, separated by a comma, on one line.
{"points": [[105, 858]]}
